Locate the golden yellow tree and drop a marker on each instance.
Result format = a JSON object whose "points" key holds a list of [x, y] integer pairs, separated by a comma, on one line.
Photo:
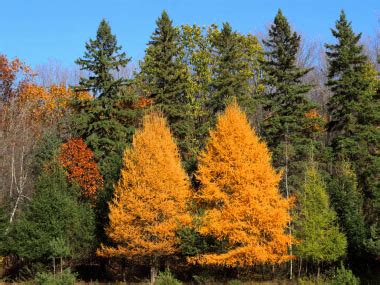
{"points": [[240, 196], [150, 200]]}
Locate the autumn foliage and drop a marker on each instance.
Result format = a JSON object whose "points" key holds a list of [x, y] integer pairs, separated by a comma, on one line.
{"points": [[78, 160], [240, 196], [150, 200]]}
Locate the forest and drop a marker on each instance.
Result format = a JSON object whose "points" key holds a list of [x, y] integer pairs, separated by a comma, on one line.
{"points": [[222, 158]]}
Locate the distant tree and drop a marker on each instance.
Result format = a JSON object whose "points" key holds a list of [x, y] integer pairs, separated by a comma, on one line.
{"points": [[320, 239], [150, 201], [54, 212], [354, 116], [242, 207], [166, 80], [286, 125], [78, 161]]}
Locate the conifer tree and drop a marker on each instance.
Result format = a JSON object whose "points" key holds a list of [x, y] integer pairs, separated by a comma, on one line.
{"points": [[286, 125], [150, 200], [239, 194], [354, 115], [347, 202], [166, 80], [107, 122], [54, 212], [315, 225]]}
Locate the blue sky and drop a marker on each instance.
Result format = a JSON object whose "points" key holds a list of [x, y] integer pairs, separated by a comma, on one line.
{"points": [[39, 30]]}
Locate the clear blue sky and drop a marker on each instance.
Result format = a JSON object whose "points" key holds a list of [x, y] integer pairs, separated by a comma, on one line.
{"points": [[38, 30]]}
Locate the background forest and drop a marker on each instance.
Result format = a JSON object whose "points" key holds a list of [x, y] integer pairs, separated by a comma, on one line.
{"points": [[222, 157]]}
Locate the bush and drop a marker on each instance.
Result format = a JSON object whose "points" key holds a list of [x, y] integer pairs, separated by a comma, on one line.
{"points": [[48, 278], [344, 276], [167, 278], [234, 282]]}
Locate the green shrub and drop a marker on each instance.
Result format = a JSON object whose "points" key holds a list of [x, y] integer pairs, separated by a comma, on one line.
{"points": [[167, 278], [48, 278], [344, 276], [234, 282]]}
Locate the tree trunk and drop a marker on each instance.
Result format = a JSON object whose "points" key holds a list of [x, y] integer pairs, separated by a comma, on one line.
{"points": [[61, 264], [53, 266], [153, 270]]}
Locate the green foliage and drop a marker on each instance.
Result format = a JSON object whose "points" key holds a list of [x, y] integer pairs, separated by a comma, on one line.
{"points": [[48, 278], [344, 276], [234, 282], [166, 80], [4, 227], [287, 127], [315, 226], [167, 278], [59, 248], [54, 212], [347, 202]]}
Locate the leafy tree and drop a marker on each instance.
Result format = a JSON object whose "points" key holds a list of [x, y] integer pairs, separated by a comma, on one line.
{"points": [[166, 81], [347, 202], [315, 225], [242, 206], [354, 114], [78, 160], [150, 201], [286, 126], [54, 212]]}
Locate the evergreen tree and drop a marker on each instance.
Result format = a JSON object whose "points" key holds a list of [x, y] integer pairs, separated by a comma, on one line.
{"points": [[230, 73], [4, 227], [354, 114], [166, 81], [107, 122], [151, 198], [54, 212], [288, 124], [347, 202], [315, 225]]}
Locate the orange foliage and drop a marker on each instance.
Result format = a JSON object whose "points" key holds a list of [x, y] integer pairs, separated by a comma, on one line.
{"points": [[150, 199], [78, 160], [240, 195], [316, 122]]}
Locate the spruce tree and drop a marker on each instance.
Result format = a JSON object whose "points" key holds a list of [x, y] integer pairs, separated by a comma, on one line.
{"points": [[289, 125], [354, 115], [107, 122], [166, 81]]}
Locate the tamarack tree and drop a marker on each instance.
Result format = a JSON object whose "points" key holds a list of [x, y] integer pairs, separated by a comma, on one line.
{"points": [[240, 196], [150, 199]]}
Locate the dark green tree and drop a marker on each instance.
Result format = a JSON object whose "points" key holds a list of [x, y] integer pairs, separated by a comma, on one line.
{"points": [[291, 122], [347, 202], [4, 227], [354, 115], [230, 76], [165, 79], [54, 212], [108, 121]]}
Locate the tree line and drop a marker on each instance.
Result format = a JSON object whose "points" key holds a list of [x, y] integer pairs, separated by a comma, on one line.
{"points": [[212, 159]]}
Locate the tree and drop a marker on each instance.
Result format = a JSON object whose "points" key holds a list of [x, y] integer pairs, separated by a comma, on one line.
{"points": [[286, 125], [78, 160], [354, 114], [106, 123], [101, 59], [150, 200], [239, 197], [315, 225], [54, 212], [347, 202], [166, 81]]}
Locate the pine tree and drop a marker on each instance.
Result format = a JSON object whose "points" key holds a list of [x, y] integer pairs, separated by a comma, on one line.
{"points": [[231, 71], [54, 212], [286, 126], [315, 225], [150, 201], [347, 202], [166, 80], [354, 114], [107, 122], [239, 197]]}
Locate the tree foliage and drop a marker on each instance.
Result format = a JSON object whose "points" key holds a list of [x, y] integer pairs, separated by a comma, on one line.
{"points": [[240, 197]]}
